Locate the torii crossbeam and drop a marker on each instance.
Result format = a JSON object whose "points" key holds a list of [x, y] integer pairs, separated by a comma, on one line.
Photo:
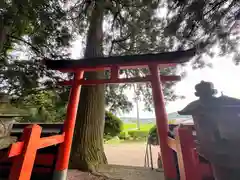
{"points": [[114, 64], [151, 61]]}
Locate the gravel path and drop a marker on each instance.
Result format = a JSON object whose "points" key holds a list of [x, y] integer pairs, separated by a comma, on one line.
{"points": [[126, 163]]}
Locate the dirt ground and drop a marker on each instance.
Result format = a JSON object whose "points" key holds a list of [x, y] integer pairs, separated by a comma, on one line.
{"points": [[126, 162], [117, 172], [129, 154]]}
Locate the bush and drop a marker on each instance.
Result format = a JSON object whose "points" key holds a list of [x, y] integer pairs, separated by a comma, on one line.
{"points": [[113, 125], [153, 131], [124, 135], [138, 134], [153, 137]]}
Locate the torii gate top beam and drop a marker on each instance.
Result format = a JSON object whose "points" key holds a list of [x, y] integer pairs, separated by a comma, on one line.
{"points": [[129, 61]]}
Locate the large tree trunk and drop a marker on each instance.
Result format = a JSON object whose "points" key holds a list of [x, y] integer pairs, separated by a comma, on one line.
{"points": [[87, 148], [3, 37]]}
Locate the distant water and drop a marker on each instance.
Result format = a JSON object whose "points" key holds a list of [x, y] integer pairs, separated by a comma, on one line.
{"points": [[171, 116], [134, 120]]}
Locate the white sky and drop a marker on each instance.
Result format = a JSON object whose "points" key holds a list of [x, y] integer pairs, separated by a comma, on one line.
{"points": [[224, 74]]}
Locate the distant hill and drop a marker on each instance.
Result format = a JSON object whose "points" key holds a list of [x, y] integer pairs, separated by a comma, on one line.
{"points": [[171, 116], [133, 120], [175, 115]]}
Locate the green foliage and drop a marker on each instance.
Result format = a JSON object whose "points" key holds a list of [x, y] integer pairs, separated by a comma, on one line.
{"points": [[134, 28], [124, 135], [206, 23], [31, 31], [116, 100], [129, 126], [41, 21], [45, 29], [153, 131], [143, 126], [134, 135], [113, 125], [129, 133], [44, 106], [138, 134], [153, 136]]}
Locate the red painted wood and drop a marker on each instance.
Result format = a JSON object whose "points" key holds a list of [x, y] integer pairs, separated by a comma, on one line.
{"points": [[84, 64], [162, 124], [187, 157], [45, 159], [114, 73], [42, 170], [51, 140], [180, 158], [17, 148], [104, 68], [41, 159], [36, 169], [24, 152], [23, 163], [117, 81], [69, 124]]}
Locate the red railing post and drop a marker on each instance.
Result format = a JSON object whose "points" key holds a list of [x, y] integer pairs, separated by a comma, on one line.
{"points": [[169, 166], [23, 163], [187, 157], [60, 172]]}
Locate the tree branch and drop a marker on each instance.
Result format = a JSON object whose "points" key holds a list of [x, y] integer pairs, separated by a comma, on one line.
{"points": [[114, 41], [215, 6], [84, 5], [26, 42]]}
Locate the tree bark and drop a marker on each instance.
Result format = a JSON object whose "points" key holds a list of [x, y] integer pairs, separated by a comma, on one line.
{"points": [[3, 37], [87, 148]]}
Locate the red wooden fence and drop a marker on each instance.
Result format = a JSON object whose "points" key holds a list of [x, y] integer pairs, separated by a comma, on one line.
{"points": [[24, 151], [190, 167]]}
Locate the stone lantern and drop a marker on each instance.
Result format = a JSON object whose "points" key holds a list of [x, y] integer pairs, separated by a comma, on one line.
{"points": [[217, 124], [8, 113]]}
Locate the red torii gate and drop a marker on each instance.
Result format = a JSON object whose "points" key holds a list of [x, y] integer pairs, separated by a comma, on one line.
{"points": [[25, 150]]}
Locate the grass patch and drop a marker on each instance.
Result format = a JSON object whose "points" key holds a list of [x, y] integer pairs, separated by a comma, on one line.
{"points": [[131, 134], [138, 134], [131, 126]]}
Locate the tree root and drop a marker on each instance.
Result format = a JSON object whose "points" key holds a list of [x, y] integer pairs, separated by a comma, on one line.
{"points": [[95, 172]]}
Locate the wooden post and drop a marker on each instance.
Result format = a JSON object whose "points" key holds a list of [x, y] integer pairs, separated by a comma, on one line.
{"points": [[187, 157], [61, 168], [170, 171], [23, 163]]}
